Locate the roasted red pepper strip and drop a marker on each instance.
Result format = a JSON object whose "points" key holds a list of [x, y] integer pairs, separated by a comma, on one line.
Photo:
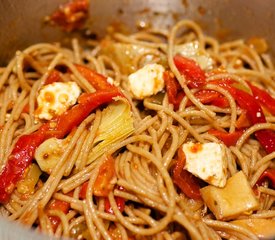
{"points": [[24, 149], [173, 89], [176, 94], [206, 96], [54, 76], [264, 98], [57, 205], [187, 182], [254, 113], [268, 174], [63, 124], [97, 80], [229, 139], [19, 159], [192, 72], [59, 127]]}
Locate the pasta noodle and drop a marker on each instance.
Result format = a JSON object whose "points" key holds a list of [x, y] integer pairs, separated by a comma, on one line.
{"points": [[143, 200]]}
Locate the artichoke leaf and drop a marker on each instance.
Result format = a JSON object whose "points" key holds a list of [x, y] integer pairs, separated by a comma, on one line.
{"points": [[116, 124], [125, 54]]}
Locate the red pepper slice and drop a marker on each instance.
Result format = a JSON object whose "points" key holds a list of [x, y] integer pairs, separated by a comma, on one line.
{"points": [[229, 139], [19, 159], [264, 98], [173, 89], [254, 113], [24, 149], [54, 76], [194, 75], [59, 127], [187, 182], [206, 96], [97, 80], [268, 174], [63, 124]]}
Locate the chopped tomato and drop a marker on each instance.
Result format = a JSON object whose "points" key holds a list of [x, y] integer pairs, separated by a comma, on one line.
{"points": [[57, 205], [72, 15], [268, 174], [243, 121], [102, 185], [26, 108], [83, 190], [120, 204]]}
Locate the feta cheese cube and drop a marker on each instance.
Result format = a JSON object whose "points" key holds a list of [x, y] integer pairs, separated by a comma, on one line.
{"points": [[147, 81], [191, 50], [206, 161], [55, 98], [235, 198]]}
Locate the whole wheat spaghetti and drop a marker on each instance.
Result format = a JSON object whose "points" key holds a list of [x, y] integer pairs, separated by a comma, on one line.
{"points": [[129, 187]]}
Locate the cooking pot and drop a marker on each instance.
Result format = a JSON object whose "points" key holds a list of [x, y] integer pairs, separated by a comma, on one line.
{"points": [[22, 24]]}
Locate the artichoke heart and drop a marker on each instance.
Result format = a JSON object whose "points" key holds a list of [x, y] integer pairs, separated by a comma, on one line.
{"points": [[49, 153], [28, 183], [125, 54], [116, 125]]}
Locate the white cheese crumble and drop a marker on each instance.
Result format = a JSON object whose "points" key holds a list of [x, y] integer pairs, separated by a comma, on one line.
{"points": [[206, 161], [111, 81], [55, 98], [147, 81]]}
